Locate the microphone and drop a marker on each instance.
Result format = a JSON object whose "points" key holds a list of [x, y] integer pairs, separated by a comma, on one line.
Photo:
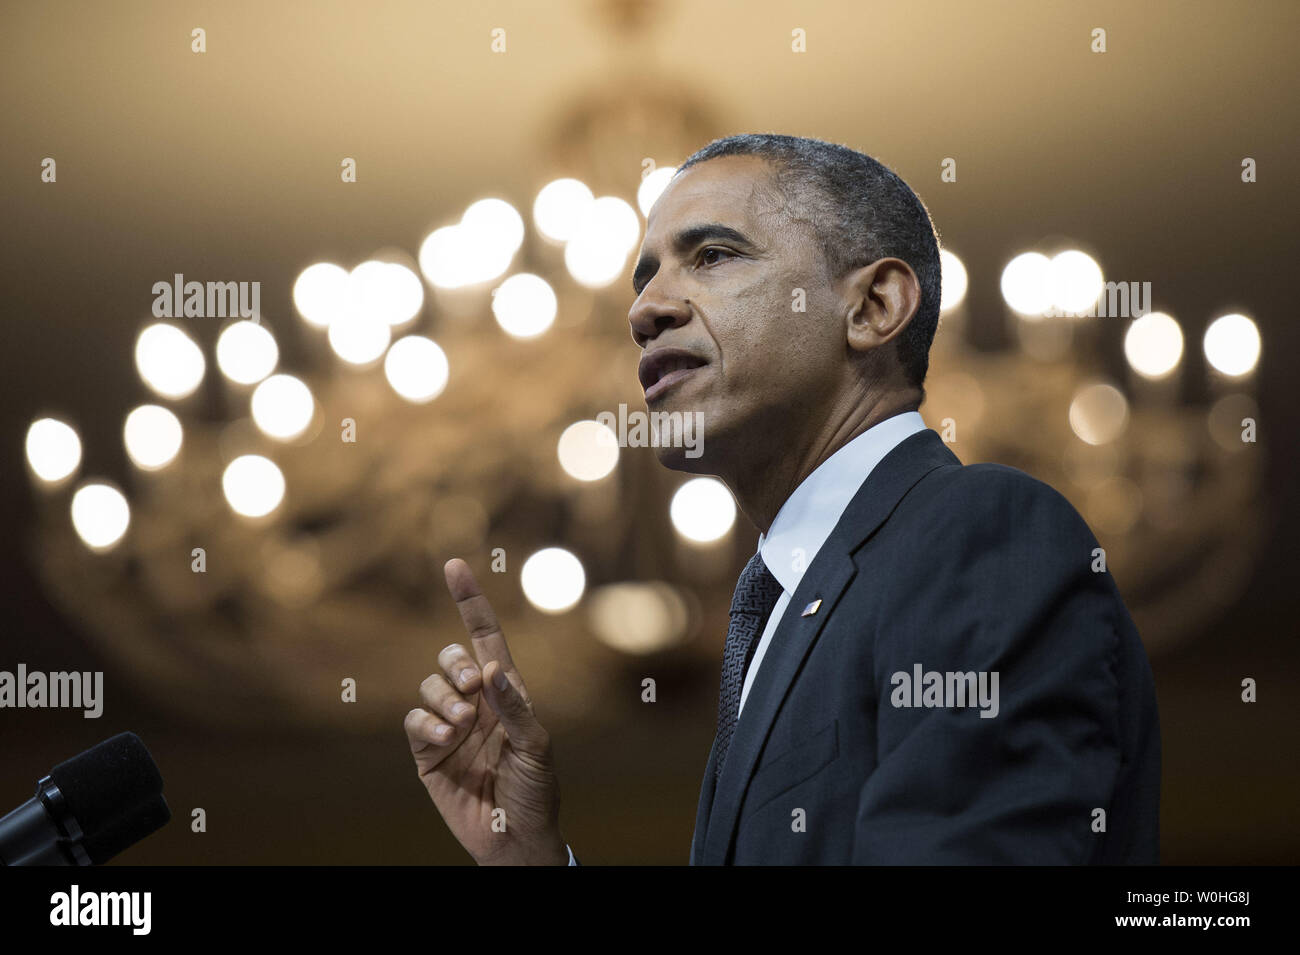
{"points": [[89, 808]]}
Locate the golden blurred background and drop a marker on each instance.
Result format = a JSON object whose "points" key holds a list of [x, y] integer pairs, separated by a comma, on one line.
{"points": [[436, 339]]}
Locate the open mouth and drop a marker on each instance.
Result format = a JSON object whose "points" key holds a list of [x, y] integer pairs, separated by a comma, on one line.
{"points": [[663, 368]]}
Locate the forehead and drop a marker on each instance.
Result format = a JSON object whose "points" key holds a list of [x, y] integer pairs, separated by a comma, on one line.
{"points": [[739, 191]]}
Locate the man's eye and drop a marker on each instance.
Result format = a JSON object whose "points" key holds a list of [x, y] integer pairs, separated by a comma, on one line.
{"points": [[714, 251]]}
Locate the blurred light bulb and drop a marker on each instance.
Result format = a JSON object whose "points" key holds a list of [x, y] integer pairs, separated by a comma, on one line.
{"points": [[1026, 285], [153, 437], [560, 207], [594, 264], [703, 510], [652, 187], [524, 305], [320, 293], [552, 580], [1232, 345], [953, 281], [282, 407], [1098, 413], [53, 449], [247, 353], [1153, 345], [416, 368], [456, 257], [495, 222], [588, 450], [100, 515], [253, 485], [387, 292], [1075, 280], [360, 339], [610, 219], [168, 361], [477, 249], [641, 618]]}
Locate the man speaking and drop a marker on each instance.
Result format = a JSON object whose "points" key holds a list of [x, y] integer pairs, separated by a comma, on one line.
{"points": [[923, 664]]}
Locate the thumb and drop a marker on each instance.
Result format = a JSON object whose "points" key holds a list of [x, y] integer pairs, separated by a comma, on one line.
{"points": [[526, 734]]}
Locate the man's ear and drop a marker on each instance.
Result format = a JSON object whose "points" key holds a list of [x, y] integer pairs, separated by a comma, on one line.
{"points": [[880, 299]]}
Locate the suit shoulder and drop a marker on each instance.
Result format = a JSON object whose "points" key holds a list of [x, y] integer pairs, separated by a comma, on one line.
{"points": [[975, 495]]}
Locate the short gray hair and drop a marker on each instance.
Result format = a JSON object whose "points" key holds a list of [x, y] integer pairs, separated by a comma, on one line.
{"points": [[861, 211]]}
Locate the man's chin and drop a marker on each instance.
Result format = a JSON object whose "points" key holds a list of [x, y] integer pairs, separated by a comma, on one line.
{"points": [[688, 436], [691, 460]]}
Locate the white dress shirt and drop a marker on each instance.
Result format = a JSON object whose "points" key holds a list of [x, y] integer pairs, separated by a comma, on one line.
{"points": [[808, 516]]}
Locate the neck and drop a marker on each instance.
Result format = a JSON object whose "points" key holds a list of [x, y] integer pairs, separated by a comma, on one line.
{"points": [[764, 476]]}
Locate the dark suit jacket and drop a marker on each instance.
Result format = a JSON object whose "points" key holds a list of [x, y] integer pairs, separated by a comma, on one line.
{"points": [[958, 569]]}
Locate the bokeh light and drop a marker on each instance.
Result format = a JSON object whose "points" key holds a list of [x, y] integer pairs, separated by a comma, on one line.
{"points": [[282, 407], [593, 264], [385, 291], [359, 338], [954, 281], [1232, 345], [247, 353], [1098, 413], [168, 361], [1075, 281], [588, 450], [638, 618], [703, 510], [416, 368], [497, 221], [560, 207], [1026, 284], [1153, 345], [153, 436], [553, 580], [100, 515], [477, 249], [652, 187], [320, 294], [525, 305], [53, 449], [253, 485], [597, 254]]}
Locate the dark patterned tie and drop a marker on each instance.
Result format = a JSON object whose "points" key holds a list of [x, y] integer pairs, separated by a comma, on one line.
{"points": [[757, 592]]}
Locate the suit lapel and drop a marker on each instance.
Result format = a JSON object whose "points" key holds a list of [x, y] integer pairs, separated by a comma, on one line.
{"points": [[793, 638], [826, 579]]}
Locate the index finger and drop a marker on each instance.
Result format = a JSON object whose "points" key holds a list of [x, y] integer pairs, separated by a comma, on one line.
{"points": [[477, 615]]}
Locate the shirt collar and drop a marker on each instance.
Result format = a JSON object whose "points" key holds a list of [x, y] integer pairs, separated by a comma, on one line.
{"points": [[809, 515]]}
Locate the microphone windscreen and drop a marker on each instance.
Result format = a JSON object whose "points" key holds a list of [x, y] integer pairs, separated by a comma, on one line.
{"points": [[107, 781], [127, 830]]}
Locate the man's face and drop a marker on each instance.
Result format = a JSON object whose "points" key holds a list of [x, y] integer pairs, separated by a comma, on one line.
{"points": [[736, 292]]}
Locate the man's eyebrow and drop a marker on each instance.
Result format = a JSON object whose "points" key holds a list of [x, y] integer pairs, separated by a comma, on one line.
{"points": [[684, 241]]}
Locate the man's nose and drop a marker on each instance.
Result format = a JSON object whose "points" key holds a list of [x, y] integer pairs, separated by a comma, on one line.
{"points": [[656, 311]]}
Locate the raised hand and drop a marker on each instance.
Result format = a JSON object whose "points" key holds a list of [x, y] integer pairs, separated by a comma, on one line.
{"points": [[479, 750]]}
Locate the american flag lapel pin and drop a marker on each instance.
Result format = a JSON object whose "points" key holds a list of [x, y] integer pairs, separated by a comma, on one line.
{"points": [[811, 609]]}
